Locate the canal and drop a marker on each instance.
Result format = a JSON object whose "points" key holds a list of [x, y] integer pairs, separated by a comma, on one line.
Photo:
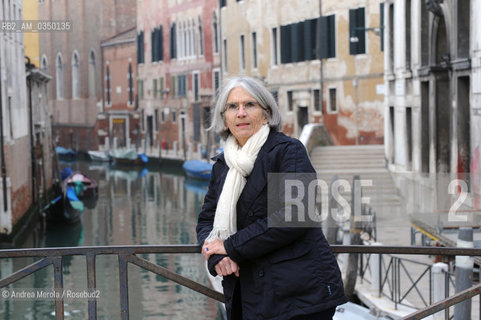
{"points": [[135, 207]]}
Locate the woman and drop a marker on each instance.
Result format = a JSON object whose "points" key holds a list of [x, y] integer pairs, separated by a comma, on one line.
{"points": [[268, 272]]}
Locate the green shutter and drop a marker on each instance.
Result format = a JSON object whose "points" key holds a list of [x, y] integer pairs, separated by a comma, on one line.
{"points": [[381, 5], [361, 32], [332, 35], [353, 45]]}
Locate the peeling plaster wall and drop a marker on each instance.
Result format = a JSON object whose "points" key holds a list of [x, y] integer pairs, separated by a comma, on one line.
{"points": [[358, 79]]}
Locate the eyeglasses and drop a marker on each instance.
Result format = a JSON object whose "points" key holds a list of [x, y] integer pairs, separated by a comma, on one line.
{"points": [[248, 106]]}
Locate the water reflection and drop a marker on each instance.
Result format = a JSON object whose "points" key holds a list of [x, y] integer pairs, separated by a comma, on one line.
{"points": [[134, 207]]}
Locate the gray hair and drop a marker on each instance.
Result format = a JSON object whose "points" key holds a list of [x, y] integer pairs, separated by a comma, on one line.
{"points": [[258, 91]]}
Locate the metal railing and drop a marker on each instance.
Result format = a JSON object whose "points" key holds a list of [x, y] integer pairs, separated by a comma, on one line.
{"points": [[128, 254], [393, 270]]}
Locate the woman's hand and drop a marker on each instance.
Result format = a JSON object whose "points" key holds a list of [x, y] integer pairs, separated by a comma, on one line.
{"points": [[213, 247], [226, 267]]}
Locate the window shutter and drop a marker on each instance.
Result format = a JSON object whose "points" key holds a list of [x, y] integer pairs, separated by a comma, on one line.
{"points": [[152, 44], [295, 41], [324, 37], [332, 35], [353, 39], [361, 33], [382, 25], [307, 39], [161, 44], [285, 46]]}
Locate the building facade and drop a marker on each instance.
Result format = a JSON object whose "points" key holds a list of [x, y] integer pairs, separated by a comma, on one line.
{"points": [[120, 119], [321, 63], [15, 180], [433, 101], [74, 60], [178, 73]]}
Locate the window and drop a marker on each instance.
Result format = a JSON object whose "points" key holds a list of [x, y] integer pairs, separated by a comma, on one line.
{"points": [[332, 100], [174, 116], [172, 86], [75, 76], [196, 86], [154, 86], [216, 34], [131, 85], [107, 85], [59, 77], [157, 44], [242, 53], [328, 37], [44, 64], [201, 39], [317, 100], [225, 55], [140, 47], [275, 47], [156, 120], [140, 88], [275, 94], [161, 87], [299, 41], [181, 85], [162, 116], [91, 75], [142, 119], [173, 42], [254, 50], [222, 3], [290, 104], [357, 29], [193, 40], [216, 81]]}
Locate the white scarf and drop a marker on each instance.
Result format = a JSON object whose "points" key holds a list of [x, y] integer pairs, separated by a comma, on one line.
{"points": [[240, 162]]}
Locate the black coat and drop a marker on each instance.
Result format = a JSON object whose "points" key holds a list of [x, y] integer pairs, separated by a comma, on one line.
{"points": [[284, 272]]}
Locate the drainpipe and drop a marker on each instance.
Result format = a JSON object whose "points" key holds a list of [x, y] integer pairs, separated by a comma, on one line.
{"points": [[4, 168]]}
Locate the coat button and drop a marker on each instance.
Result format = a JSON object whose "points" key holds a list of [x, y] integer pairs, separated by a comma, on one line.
{"points": [[261, 273]]}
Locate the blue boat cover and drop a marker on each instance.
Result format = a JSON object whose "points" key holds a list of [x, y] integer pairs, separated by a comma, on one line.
{"points": [[66, 173], [65, 152], [143, 157], [197, 166]]}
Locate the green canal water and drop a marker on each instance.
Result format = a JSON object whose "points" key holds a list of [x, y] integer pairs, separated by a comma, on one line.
{"points": [[135, 207]]}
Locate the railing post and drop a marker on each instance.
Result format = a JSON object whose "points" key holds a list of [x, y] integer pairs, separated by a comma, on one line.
{"points": [[91, 285], [439, 270], [124, 287], [58, 286], [464, 274], [375, 266]]}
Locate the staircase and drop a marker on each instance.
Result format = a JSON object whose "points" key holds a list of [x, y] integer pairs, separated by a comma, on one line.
{"points": [[366, 161]]}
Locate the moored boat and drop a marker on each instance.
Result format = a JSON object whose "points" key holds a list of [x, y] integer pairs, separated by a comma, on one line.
{"points": [[198, 169], [128, 157], [99, 156], [66, 154]]}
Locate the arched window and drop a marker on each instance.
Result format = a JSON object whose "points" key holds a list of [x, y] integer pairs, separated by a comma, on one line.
{"points": [[201, 38], [44, 64], [75, 76], [91, 76], [216, 34], [59, 77], [193, 41]]}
